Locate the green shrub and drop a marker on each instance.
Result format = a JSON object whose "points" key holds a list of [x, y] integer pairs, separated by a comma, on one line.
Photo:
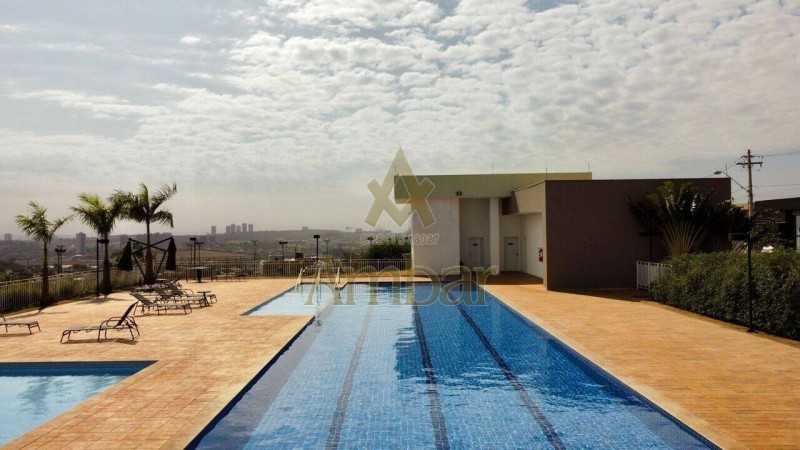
{"points": [[715, 285]]}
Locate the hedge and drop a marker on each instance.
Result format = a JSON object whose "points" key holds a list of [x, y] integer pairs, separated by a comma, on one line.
{"points": [[715, 285]]}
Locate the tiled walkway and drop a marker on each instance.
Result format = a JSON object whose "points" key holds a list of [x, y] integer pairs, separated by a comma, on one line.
{"points": [[204, 359], [738, 389]]}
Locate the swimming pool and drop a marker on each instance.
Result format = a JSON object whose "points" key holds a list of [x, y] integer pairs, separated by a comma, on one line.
{"points": [[447, 370], [301, 299], [33, 393]]}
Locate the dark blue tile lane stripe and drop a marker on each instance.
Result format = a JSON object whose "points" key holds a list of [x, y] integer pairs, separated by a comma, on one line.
{"points": [[335, 433], [437, 416], [545, 425]]}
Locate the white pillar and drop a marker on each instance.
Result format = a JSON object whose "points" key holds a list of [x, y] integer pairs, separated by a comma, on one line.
{"points": [[494, 231]]}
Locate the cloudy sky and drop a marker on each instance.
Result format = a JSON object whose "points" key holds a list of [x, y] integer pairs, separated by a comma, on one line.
{"points": [[280, 112]]}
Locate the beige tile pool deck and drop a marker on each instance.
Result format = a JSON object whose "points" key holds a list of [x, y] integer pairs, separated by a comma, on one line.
{"points": [[738, 389]]}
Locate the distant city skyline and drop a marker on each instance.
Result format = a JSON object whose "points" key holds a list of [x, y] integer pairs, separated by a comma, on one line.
{"points": [[281, 113]]}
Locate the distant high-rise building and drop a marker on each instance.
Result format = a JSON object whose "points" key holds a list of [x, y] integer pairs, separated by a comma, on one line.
{"points": [[244, 227], [304, 228], [227, 229], [80, 243], [213, 230], [249, 227], [238, 228], [7, 237], [233, 228]]}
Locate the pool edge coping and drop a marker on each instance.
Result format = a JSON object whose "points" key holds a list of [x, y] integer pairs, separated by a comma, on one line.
{"points": [[682, 416]]}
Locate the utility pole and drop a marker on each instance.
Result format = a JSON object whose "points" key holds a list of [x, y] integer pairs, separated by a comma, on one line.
{"points": [[748, 162]]}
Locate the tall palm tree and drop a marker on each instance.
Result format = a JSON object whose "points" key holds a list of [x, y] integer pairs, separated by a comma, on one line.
{"points": [[101, 217], [143, 208], [39, 228]]}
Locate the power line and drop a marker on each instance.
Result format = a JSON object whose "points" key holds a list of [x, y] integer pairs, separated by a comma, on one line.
{"points": [[795, 152]]}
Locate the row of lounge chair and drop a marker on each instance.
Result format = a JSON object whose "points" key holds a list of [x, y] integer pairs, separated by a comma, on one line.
{"points": [[167, 296]]}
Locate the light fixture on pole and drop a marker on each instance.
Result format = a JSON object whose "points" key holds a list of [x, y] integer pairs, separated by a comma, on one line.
{"points": [[60, 252], [97, 267], [316, 236], [197, 253], [748, 191], [191, 253], [283, 249]]}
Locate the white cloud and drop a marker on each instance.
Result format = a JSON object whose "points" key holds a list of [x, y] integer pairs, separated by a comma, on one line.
{"points": [[191, 40], [11, 28], [309, 94], [99, 106]]}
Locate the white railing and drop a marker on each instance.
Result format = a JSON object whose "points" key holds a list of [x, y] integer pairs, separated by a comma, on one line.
{"points": [[21, 294], [291, 269], [647, 272]]}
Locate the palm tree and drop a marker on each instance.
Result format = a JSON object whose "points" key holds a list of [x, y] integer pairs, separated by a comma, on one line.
{"points": [[39, 228], [687, 216], [141, 207], [101, 217]]}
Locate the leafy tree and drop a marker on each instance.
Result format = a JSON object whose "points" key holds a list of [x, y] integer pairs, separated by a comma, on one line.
{"points": [[143, 208], [388, 250], [39, 228], [687, 217], [101, 217]]}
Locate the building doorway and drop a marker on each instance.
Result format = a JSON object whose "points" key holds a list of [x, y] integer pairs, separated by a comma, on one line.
{"points": [[511, 245], [475, 252]]}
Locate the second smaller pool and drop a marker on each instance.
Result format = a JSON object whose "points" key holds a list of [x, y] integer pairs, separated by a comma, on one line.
{"points": [[33, 393]]}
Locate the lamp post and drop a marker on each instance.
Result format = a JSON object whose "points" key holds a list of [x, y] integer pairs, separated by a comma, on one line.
{"points": [[191, 253], [749, 190], [748, 162], [316, 236], [283, 249], [197, 253], [60, 252], [327, 255], [747, 237], [97, 266], [255, 242]]}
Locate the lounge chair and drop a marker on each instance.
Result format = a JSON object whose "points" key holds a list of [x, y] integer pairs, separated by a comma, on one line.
{"points": [[124, 322], [19, 323], [170, 297], [177, 290], [160, 305]]}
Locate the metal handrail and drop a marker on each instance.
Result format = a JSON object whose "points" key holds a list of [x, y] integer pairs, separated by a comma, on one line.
{"points": [[22, 294]]}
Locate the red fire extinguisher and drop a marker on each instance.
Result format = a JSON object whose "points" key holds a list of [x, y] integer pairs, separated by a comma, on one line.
{"points": [[541, 254]]}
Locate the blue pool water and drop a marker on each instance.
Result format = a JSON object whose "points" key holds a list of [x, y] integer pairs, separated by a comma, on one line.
{"points": [[33, 393], [446, 370], [299, 300]]}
